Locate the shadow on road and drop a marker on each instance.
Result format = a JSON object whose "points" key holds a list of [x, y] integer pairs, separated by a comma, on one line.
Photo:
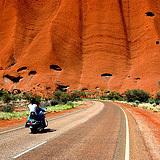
{"points": [[44, 131], [47, 130]]}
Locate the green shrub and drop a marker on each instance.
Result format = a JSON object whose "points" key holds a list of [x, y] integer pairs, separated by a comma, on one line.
{"points": [[151, 100], [8, 108], [15, 97], [114, 96], [26, 96], [37, 97], [62, 97], [111, 95], [87, 94], [103, 97], [136, 94], [2, 93], [6, 98], [76, 95], [70, 104], [54, 102]]}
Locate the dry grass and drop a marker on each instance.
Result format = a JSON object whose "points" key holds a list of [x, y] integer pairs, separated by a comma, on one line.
{"points": [[152, 107]]}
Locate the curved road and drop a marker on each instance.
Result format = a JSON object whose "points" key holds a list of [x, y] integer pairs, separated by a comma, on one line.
{"points": [[97, 133]]}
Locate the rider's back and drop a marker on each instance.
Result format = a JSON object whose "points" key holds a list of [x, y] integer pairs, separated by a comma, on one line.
{"points": [[32, 107]]}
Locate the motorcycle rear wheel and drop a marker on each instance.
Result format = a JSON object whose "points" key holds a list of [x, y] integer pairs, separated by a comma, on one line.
{"points": [[33, 130]]}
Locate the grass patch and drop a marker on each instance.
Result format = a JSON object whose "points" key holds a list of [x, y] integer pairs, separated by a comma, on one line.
{"points": [[13, 115], [58, 108], [50, 109]]}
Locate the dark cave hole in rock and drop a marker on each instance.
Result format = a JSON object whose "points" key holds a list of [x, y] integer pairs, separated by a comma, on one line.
{"points": [[97, 87], [150, 14], [62, 87], [32, 73], [12, 64], [137, 78], [55, 67], [84, 89], [157, 42], [13, 79], [106, 75], [21, 69]]}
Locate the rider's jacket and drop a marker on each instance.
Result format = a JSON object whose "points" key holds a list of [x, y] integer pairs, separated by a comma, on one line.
{"points": [[32, 108]]}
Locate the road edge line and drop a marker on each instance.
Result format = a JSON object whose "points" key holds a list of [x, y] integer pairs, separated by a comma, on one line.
{"points": [[14, 129], [127, 136]]}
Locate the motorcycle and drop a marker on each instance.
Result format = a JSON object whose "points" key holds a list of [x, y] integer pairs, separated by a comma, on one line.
{"points": [[35, 124]]}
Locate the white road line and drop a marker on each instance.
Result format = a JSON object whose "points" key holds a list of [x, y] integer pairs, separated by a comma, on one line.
{"points": [[127, 137], [29, 150], [85, 121], [11, 130]]}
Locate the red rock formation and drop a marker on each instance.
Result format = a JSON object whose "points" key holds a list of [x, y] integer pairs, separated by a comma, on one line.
{"points": [[89, 44]]}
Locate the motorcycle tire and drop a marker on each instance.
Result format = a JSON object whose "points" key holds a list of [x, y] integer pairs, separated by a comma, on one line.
{"points": [[33, 130]]}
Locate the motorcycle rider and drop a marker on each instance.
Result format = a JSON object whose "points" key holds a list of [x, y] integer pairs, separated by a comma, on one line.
{"points": [[39, 115], [34, 107]]}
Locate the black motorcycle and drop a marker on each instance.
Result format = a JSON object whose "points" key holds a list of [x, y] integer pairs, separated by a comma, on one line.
{"points": [[35, 124]]}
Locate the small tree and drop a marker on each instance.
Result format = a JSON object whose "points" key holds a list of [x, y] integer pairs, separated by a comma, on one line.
{"points": [[62, 97], [114, 96], [6, 98], [77, 95], [136, 94]]}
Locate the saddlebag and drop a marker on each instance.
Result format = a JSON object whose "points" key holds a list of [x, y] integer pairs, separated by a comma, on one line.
{"points": [[27, 124]]}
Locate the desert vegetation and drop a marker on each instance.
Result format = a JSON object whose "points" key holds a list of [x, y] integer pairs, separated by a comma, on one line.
{"points": [[14, 105]]}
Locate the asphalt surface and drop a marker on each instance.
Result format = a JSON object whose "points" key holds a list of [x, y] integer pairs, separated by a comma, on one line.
{"points": [[97, 133]]}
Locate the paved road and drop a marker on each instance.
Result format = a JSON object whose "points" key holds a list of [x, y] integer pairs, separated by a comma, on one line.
{"points": [[98, 133]]}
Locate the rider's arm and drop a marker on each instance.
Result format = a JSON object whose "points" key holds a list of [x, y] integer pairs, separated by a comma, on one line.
{"points": [[41, 109]]}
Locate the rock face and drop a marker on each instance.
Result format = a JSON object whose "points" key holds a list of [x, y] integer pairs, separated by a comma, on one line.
{"points": [[80, 44]]}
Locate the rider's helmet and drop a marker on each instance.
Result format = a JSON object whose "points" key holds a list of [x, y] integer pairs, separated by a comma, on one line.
{"points": [[33, 100]]}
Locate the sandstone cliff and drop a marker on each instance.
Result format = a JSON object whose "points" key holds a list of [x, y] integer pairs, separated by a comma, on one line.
{"points": [[80, 44]]}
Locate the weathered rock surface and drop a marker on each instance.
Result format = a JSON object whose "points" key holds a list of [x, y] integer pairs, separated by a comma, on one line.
{"points": [[77, 44]]}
